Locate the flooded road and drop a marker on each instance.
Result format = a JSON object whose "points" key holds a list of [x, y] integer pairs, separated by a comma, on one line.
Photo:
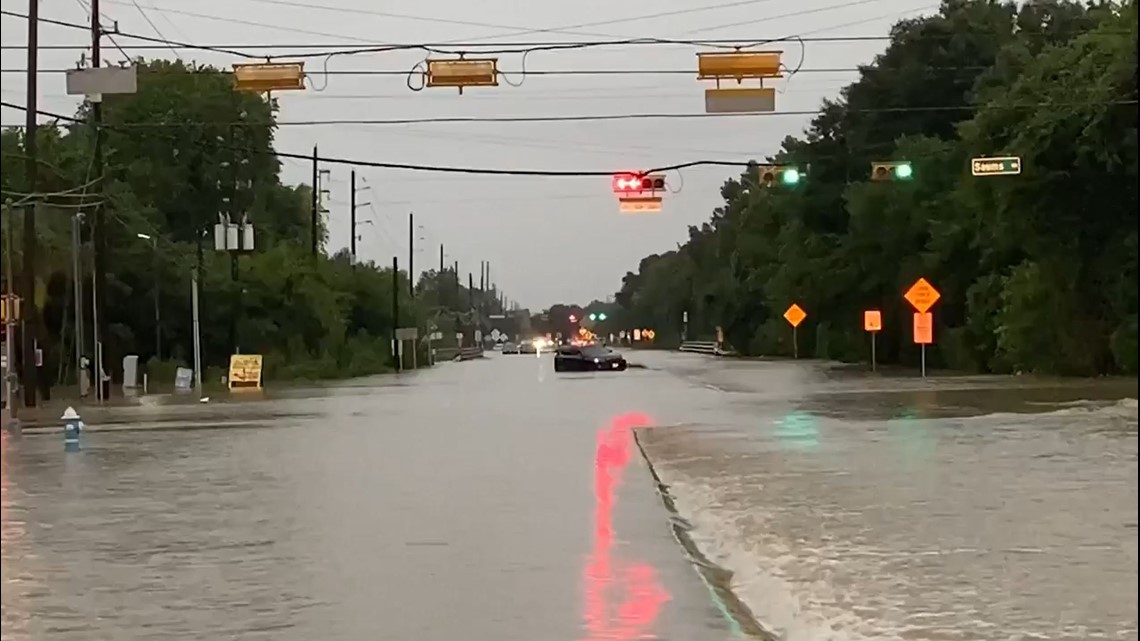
{"points": [[480, 500], [496, 501]]}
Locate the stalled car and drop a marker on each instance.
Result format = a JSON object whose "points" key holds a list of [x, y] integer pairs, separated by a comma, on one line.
{"points": [[510, 348], [588, 358]]}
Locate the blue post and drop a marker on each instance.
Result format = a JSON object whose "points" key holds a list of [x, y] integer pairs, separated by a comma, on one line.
{"points": [[72, 428]]}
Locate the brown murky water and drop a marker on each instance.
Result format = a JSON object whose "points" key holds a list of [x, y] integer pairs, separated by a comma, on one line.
{"points": [[494, 500], [865, 508]]}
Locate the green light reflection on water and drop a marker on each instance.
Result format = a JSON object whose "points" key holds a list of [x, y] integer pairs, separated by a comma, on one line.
{"points": [[798, 431]]}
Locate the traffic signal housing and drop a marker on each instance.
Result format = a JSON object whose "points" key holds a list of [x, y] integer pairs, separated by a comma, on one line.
{"points": [[633, 183], [893, 170], [784, 175]]}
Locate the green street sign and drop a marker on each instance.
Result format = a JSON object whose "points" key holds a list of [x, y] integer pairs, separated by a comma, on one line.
{"points": [[1003, 166]]}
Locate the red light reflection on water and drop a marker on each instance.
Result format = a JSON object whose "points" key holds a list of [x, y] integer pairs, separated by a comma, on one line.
{"points": [[636, 584]]}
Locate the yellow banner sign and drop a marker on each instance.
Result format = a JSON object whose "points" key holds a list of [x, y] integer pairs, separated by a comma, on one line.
{"points": [[245, 371]]}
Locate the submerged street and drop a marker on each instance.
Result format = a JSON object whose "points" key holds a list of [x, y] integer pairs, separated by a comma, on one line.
{"points": [[497, 500]]}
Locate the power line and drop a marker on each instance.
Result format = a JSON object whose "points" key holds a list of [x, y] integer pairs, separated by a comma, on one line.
{"points": [[560, 72], [598, 117], [408, 166]]}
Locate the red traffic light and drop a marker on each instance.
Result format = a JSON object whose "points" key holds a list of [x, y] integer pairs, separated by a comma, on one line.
{"points": [[573, 318], [630, 182]]}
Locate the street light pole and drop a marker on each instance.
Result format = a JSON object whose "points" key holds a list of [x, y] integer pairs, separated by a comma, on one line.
{"points": [[157, 308]]}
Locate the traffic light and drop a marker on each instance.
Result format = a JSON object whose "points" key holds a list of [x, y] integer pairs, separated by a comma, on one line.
{"points": [[602, 316], [886, 171], [593, 317], [770, 174], [630, 182], [573, 318]]}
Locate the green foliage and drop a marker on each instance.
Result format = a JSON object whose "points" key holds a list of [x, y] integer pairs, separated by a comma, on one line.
{"points": [[1038, 272], [176, 153]]}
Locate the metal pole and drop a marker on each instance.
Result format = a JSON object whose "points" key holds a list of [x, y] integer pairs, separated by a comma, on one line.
{"points": [[31, 166], [441, 259], [77, 286], [352, 215], [99, 231], [411, 254], [924, 360], [157, 303], [316, 202], [795, 343], [98, 344], [395, 308], [197, 335], [10, 319], [873, 360]]}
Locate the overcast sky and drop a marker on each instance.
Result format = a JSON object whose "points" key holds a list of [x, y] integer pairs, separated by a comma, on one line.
{"points": [[548, 239]]}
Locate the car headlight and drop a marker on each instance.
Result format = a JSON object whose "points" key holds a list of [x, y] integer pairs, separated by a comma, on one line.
{"points": [[597, 360]]}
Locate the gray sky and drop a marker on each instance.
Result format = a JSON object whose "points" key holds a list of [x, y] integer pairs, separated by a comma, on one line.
{"points": [[548, 239]]}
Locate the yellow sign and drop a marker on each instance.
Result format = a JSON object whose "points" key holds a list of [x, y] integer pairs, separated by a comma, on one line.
{"points": [[795, 315], [924, 328], [1003, 166], [269, 76], [922, 296], [872, 320], [463, 72], [245, 371], [639, 205]]}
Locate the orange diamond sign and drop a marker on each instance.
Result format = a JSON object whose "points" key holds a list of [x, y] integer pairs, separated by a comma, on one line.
{"points": [[795, 315], [922, 296]]}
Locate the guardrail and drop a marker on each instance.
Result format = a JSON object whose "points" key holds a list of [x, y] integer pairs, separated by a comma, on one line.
{"points": [[701, 347], [469, 353]]}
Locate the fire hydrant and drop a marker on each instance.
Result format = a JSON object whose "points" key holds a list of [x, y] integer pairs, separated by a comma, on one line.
{"points": [[72, 428]]}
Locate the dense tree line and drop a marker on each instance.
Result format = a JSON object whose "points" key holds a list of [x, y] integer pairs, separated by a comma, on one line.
{"points": [[1038, 272], [184, 148]]}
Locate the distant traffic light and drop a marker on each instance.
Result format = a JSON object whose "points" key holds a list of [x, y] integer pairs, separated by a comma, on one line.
{"points": [[602, 316], [593, 317], [573, 318], [630, 182], [885, 171], [769, 174]]}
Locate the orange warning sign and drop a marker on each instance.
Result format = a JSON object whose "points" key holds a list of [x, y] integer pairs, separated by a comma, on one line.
{"points": [[795, 315], [924, 329], [873, 320], [922, 295]]}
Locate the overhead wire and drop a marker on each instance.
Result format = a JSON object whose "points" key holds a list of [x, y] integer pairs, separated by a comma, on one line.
{"points": [[590, 117]]}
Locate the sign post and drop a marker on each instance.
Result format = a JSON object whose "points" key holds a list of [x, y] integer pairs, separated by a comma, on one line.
{"points": [[795, 315], [873, 324], [922, 296]]}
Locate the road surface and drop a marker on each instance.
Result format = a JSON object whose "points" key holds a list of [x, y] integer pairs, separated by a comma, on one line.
{"points": [[495, 500]]}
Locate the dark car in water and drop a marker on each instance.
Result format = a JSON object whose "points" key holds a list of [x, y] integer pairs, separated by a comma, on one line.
{"points": [[588, 358], [510, 348]]}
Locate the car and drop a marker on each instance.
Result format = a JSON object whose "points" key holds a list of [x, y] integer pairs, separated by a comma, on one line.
{"points": [[588, 358], [527, 347], [510, 348]]}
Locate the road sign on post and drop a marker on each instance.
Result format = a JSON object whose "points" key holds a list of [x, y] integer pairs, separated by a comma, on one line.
{"points": [[873, 324], [998, 166], [795, 315], [922, 297]]}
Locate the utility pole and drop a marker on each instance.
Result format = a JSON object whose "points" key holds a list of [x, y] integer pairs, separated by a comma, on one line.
{"points": [[99, 230], [470, 291], [352, 216], [316, 201], [441, 260], [411, 254], [30, 315], [10, 315], [77, 286], [395, 309]]}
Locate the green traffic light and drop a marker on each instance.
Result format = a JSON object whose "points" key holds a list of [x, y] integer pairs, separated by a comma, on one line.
{"points": [[790, 176], [593, 317], [904, 171], [601, 317]]}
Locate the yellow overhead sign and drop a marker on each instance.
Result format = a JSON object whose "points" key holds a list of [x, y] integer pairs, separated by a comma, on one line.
{"points": [[269, 76], [463, 72], [737, 65]]}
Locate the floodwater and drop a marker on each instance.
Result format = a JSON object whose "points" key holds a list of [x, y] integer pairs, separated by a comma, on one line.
{"points": [[494, 500]]}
